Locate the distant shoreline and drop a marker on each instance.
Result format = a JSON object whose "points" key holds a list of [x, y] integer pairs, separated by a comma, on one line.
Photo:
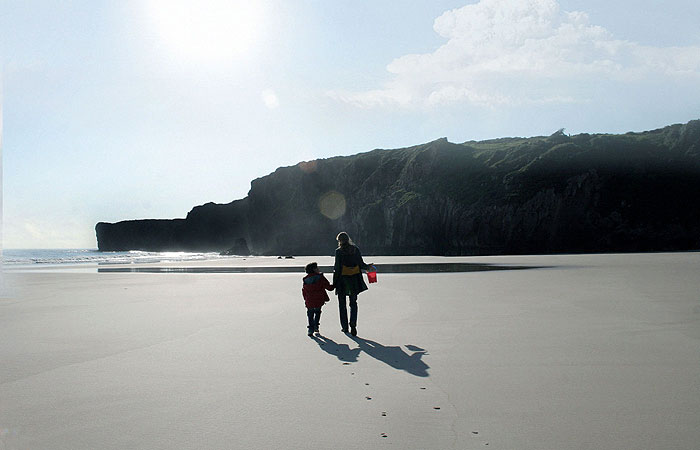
{"points": [[195, 263]]}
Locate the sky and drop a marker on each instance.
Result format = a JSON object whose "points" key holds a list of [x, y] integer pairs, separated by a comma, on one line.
{"points": [[144, 109]]}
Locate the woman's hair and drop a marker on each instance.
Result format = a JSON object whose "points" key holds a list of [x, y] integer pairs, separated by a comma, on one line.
{"points": [[343, 239]]}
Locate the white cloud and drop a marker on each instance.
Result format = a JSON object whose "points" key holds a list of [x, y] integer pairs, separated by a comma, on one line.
{"points": [[270, 99], [502, 52]]}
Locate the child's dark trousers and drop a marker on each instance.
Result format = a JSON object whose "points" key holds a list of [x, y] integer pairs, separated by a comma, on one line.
{"points": [[314, 315]]}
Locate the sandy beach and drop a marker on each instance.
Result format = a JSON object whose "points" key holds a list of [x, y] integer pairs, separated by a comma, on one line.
{"points": [[576, 352]]}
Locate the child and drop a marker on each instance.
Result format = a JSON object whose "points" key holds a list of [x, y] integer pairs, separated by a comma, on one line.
{"points": [[314, 292]]}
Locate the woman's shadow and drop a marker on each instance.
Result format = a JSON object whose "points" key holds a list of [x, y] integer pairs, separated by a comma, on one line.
{"points": [[393, 356]]}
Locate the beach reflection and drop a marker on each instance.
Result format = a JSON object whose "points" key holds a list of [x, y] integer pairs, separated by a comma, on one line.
{"points": [[381, 268]]}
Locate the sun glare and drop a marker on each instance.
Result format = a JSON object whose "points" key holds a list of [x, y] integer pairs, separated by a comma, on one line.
{"points": [[212, 31]]}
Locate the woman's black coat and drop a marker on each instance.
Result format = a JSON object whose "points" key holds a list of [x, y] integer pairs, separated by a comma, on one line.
{"points": [[351, 258]]}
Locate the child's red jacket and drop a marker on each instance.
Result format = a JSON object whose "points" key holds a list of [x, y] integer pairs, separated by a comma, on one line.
{"points": [[314, 290]]}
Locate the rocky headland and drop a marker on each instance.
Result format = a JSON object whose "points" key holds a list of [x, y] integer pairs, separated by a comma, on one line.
{"points": [[554, 194]]}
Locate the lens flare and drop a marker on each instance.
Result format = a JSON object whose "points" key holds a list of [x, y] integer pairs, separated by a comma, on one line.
{"points": [[332, 204]]}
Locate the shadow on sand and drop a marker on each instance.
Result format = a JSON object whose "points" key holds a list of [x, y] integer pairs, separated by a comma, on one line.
{"points": [[341, 351], [393, 356]]}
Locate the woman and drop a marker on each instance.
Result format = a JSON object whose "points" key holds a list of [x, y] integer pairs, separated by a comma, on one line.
{"points": [[347, 279]]}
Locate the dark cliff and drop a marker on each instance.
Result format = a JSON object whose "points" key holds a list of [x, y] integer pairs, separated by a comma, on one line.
{"points": [[583, 193]]}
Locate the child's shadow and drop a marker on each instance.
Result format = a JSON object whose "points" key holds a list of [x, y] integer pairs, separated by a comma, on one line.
{"points": [[395, 356], [341, 351]]}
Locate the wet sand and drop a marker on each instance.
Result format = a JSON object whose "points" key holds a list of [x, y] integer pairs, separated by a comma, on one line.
{"points": [[569, 352]]}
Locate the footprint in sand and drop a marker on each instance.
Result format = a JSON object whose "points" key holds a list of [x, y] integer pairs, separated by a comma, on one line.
{"points": [[366, 384], [383, 413], [422, 389], [436, 407], [368, 398], [384, 435]]}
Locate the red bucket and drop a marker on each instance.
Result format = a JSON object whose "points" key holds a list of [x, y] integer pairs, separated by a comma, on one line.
{"points": [[372, 275]]}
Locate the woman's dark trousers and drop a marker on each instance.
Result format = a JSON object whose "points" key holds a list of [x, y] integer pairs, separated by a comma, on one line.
{"points": [[344, 311]]}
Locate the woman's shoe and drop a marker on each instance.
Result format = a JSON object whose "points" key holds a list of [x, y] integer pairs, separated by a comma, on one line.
{"points": [[353, 330]]}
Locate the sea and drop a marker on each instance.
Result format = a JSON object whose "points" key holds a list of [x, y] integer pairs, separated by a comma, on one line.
{"points": [[59, 257]]}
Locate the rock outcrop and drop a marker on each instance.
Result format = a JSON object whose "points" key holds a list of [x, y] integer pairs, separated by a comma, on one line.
{"points": [[583, 193]]}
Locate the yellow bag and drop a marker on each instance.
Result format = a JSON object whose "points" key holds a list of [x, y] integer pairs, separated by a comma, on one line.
{"points": [[354, 270]]}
